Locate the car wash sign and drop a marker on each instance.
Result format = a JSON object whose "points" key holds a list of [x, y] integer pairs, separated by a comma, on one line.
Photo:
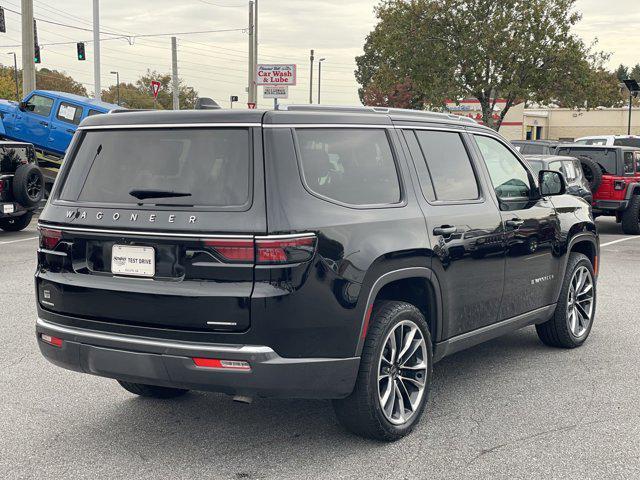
{"points": [[276, 74]]}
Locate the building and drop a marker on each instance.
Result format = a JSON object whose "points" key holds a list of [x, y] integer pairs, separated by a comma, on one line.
{"points": [[553, 123]]}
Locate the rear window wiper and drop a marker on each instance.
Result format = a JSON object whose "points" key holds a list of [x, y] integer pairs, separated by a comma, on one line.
{"points": [[141, 193]]}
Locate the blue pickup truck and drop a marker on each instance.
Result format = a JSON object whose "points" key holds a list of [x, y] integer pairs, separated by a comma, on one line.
{"points": [[48, 119]]}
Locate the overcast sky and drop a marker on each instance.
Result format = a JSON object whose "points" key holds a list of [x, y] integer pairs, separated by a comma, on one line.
{"points": [[216, 63]]}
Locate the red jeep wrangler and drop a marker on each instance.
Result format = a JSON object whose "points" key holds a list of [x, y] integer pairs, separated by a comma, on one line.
{"points": [[613, 173]]}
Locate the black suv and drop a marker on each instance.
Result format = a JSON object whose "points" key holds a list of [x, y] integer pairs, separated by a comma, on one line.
{"points": [[309, 252], [21, 185]]}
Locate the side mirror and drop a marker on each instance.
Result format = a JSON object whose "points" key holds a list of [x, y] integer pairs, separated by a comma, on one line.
{"points": [[22, 106], [551, 183]]}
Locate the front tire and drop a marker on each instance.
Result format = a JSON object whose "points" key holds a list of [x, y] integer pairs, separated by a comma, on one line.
{"points": [[395, 375], [572, 321], [152, 391], [631, 217]]}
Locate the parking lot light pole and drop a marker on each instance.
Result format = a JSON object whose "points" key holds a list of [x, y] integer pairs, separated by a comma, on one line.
{"points": [[15, 74], [117, 74], [634, 89], [320, 77]]}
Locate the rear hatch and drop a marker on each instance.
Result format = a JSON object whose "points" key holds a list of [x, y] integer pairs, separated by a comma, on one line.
{"points": [[155, 227]]}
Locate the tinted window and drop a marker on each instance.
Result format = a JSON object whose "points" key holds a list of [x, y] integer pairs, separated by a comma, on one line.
{"points": [[627, 142], [40, 105], [69, 113], [12, 157], [210, 166], [352, 166], [509, 177], [449, 165], [532, 149], [605, 157], [569, 170], [536, 166], [628, 163], [596, 141]]}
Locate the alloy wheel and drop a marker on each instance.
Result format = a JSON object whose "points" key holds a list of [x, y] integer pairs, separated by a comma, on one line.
{"points": [[580, 302], [402, 372], [33, 186]]}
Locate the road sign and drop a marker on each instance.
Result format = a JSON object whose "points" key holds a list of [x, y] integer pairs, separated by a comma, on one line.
{"points": [[276, 92], [276, 74], [155, 88], [251, 106], [233, 98]]}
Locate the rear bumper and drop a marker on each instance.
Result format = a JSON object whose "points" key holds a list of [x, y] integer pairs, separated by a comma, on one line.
{"points": [[18, 210], [170, 364]]}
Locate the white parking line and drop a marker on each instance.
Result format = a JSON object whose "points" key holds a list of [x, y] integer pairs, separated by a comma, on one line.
{"points": [[618, 241], [20, 240]]}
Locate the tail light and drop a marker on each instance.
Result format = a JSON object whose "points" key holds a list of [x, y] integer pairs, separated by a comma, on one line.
{"points": [[286, 250], [264, 251], [2, 187], [49, 238], [619, 185]]}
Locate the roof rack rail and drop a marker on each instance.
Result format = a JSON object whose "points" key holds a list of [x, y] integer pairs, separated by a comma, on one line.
{"points": [[384, 110]]}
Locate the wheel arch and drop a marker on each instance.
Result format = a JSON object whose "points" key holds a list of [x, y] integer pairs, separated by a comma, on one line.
{"points": [[416, 285]]}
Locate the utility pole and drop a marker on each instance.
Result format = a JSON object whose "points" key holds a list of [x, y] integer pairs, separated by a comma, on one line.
{"points": [[15, 74], [255, 51], [174, 73], [311, 79], [96, 49], [28, 48], [251, 68], [320, 77]]}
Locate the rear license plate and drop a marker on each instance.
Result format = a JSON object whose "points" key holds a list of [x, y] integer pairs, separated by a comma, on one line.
{"points": [[137, 261], [8, 208]]}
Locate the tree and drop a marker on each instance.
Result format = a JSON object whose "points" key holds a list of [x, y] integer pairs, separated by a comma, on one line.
{"points": [[139, 94], [512, 49], [8, 83], [59, 81], [635, 72], [401, 95], [622, 72]]}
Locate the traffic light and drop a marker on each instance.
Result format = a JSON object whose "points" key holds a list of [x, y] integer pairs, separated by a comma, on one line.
{"points": [[81, 55], [3, 25], [36, 56]]}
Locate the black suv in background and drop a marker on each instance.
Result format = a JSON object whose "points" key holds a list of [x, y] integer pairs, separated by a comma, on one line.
{"points": [[535, 147], [21, 185], [309, 252]]}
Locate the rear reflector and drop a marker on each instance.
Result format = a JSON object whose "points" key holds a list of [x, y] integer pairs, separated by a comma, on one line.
{"points": [[221, 364], [265, 251], [55, 341], [49, 238]]}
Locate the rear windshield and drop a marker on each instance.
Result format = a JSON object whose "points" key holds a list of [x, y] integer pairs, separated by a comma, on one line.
{"points": [[605, 157], [627, 142], [182, 167], [12, 157]]}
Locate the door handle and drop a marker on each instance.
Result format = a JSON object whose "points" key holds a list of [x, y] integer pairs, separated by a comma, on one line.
{"points": [[44, 123], [514, 223], [71, 131], [445, 230]]}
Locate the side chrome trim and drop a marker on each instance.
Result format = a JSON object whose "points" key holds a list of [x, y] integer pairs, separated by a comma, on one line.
{"points": [[284, 237], [354, 126], [141, 232], [167, 125], [436, 128], [52, 252], [139, 341]]}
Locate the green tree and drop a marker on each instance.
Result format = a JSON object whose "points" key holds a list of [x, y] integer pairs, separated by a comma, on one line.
{"points": [[512, 49], [140, 95], [47, 79], [635, 72], [8, 83], [622, 72]]}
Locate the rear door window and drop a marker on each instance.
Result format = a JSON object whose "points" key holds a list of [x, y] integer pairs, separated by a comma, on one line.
{"points": [[349, 165], [69, 113], [448, 166], [179, 167]]}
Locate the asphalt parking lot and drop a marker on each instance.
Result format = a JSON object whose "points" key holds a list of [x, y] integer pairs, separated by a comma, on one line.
{"points": [[511, 408]]}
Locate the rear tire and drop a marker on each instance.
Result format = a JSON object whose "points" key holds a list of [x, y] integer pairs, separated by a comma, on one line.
{"points": [[558, 331], [152, 391], [631, 217], [362, 412], [15, 224], [592, 172]]}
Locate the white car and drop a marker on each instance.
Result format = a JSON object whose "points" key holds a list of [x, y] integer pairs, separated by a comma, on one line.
{"points": [[609, 140]]}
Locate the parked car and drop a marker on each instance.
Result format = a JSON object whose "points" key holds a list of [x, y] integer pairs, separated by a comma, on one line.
{"points": [[21, 185], [535, 147], [311, 252], [617, 181], [577, 184], [47, 119], [610, 140]]}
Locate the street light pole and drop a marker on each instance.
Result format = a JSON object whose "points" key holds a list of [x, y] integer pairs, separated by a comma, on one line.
{"points": [[117, 74], [320, 77], [15, 74], [630, 105], [96, 49], [311, 79]]}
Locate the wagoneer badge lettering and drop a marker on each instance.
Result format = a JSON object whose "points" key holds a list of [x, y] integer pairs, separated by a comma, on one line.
{"points": [[171, 218]]}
